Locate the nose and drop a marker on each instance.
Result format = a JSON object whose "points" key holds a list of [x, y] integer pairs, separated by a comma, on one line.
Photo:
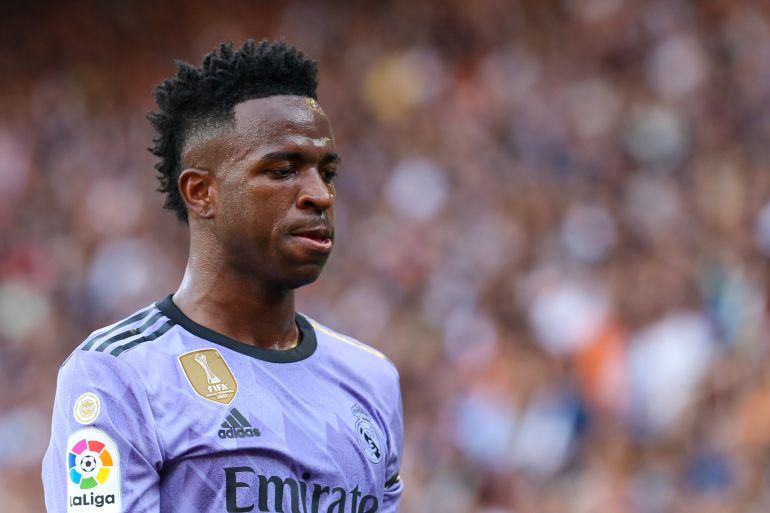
{"points": [[315, 193]]}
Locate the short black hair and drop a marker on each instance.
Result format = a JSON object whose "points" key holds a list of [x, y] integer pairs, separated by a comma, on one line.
{"points": [[197, 98]]}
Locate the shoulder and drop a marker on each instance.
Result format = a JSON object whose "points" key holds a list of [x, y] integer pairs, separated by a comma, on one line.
{"points": [[353, 351], [142, 326], [112, 345]]}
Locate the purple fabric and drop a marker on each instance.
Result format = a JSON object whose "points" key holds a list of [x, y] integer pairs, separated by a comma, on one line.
{"points": [[322, 434]]}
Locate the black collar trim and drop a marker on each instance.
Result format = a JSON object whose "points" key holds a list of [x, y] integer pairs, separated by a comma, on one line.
{"points": [[305, 348]]}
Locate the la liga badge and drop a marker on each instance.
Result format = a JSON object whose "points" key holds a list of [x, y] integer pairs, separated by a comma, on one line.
{"points": [[93, 473]]}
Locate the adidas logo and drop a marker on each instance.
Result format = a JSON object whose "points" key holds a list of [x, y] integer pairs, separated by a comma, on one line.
{"points": [[236, 426]]}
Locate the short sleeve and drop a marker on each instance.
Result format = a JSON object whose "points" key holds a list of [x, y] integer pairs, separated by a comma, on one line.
{"points": [[104, 454], [394, 486]]}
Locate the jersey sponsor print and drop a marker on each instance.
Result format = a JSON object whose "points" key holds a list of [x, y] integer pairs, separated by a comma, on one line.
{"points": [[246, 489]]}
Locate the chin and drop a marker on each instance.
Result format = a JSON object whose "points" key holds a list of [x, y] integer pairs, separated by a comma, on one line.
{"points": [[302, 277]]}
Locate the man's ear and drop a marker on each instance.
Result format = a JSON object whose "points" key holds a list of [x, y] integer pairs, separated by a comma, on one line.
{"points": [[199, 192]]}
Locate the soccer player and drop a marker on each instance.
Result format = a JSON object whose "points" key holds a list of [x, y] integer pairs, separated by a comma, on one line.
{"points": [[221, 397]]}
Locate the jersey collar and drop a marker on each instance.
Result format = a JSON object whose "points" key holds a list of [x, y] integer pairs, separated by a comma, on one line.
{"points": [[305, 347]]}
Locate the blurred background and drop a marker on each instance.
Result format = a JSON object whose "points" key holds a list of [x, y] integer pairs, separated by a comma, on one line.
{"points": [[553, 216]]}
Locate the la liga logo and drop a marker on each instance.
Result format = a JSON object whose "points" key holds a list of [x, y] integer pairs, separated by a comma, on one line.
{"points": [[89, 463], [93, 471]]}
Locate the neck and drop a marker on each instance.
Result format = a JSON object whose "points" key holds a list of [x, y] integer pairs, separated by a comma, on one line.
{"points": [[227, 302]]}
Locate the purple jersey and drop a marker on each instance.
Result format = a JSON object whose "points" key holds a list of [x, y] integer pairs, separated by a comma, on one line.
{"points": [[157, 413]]}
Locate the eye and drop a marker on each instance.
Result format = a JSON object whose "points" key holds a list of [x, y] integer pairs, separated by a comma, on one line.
{"points": [[282, 172], [329, 175]]}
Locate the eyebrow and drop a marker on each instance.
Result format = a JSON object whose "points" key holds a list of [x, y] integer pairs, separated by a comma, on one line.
{"points": [[296, 155]]}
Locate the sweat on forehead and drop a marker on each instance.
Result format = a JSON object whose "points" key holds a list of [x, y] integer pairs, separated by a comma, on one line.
{"points": [[298, 110]]}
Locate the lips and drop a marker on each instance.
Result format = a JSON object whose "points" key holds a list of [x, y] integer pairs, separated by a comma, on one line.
{"points": [[317, 238], [319, 232]]}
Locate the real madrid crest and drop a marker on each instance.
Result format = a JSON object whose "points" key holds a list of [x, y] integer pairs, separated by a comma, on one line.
{"points": [[208, 374], [368, 435]]}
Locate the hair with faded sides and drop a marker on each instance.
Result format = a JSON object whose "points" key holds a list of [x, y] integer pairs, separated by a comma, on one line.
{"points": [[201, 99]]}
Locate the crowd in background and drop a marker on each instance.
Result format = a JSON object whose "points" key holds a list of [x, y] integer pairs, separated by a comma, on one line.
{"points": [[553, 216]]}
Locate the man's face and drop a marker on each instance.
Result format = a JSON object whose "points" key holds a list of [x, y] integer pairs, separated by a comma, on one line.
{"points": [[275, 192]]}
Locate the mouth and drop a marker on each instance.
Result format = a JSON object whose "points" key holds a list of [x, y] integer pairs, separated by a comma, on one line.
{"points": [[317, 239]]}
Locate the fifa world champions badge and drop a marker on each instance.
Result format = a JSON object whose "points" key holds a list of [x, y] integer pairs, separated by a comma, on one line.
{"points": [[209, 375], [369, 438], [93, 473]]}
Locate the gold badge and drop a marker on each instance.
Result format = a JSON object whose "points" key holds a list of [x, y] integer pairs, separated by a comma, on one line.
{"points": [[209, 375], [87, 408]]}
